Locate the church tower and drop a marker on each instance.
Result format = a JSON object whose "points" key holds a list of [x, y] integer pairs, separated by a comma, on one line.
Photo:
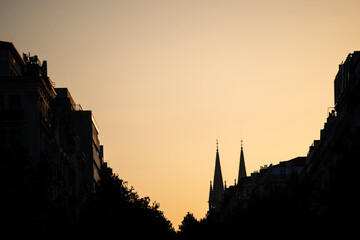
{"points": [[242, 170], [217, 189]]}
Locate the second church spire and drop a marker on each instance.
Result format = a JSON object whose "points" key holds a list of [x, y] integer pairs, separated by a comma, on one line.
{"points": [[242, 169]]}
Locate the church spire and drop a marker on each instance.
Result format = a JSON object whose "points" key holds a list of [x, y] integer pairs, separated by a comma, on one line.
{"points": [[218, 187], [242, 170]]}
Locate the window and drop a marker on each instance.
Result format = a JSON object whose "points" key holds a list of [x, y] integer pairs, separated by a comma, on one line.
{"points": [[14, 102]]}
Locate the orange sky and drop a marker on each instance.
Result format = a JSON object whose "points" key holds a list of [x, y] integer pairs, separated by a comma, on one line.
{"points": [[165, 79]]}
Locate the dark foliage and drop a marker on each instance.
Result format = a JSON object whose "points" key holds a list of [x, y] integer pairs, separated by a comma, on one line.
{"points": [[117, 209], [113, 210], [189, 228]]}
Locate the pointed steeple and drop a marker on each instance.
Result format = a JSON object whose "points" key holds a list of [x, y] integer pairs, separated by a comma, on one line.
{"points": [[218, 186], [242, 169]]}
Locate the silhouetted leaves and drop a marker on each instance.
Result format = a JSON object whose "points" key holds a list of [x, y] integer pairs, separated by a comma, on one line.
{"points": [[119, 209], [113, 210], [189, 228]]}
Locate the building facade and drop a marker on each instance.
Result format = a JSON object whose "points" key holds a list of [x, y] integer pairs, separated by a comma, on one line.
{"points": [[324, 182], [225, 201], [333, 160], [58, 136]]}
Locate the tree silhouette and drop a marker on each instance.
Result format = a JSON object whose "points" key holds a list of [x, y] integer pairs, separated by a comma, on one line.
{"points": [[188, 223], [118, 210], [114, 209], [189, 228]]}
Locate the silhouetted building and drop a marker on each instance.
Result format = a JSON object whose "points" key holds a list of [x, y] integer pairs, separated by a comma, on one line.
{"points": [[263, 183], [78, 139], [85, 127], [54, 129], [26, 94], [241, 189], [11, 64], [220, 197], [217, 190], [318, 193], [332, 160], [279, 177], [242, 169]]}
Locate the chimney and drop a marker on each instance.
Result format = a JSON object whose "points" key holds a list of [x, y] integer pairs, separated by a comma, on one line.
{"points": [[44, 69]]}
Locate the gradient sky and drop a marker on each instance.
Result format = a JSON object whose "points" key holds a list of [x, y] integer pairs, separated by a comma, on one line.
{"points": [[165, 79]]}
